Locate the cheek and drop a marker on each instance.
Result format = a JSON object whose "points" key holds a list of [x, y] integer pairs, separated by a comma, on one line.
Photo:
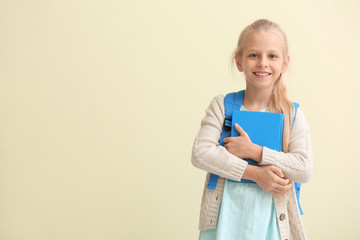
{"points": [[248, 67], [283, 67]]}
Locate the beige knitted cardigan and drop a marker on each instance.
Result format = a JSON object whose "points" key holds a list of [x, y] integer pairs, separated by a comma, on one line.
{"points": [[297, 165]]}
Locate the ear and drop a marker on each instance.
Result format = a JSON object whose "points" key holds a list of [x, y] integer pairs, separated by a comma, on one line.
{"points": [[286, 64], [238, 63]]}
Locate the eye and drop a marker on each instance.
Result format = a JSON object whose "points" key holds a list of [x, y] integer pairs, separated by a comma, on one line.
{"points": [[253, 55], [272, 56]]}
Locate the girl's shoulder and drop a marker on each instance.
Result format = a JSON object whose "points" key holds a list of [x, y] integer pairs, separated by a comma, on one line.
{"points": [[217, 106], [217, 100], [300, 121]]}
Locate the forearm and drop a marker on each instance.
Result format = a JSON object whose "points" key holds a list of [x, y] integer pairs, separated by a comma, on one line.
{"points": [[256, 152], [297, 163], [250, 173], [215, 159], [295, 166], [207, 154], [269, 178]]}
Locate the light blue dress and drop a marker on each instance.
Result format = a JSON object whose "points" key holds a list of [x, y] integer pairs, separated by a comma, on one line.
{"points": [[247, 212]]}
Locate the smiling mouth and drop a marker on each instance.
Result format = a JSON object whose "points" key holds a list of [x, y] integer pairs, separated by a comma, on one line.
{"points": [[261, 74]]}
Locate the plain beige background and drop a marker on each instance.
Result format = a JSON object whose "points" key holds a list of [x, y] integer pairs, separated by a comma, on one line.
{"points": [[101, 101]]}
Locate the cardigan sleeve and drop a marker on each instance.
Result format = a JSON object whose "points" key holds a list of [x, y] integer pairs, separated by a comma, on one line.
{"points": [[297, 164], [207, 153]]}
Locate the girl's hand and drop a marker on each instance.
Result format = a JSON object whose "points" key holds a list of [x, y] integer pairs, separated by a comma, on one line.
{"points": [[270, 178], [242, 146]]}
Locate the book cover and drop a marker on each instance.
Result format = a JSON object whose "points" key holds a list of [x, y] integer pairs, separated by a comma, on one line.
{"points": [[263, 128]]}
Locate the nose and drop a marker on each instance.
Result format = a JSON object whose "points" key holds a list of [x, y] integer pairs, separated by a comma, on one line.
{"points": [[263, 62]]}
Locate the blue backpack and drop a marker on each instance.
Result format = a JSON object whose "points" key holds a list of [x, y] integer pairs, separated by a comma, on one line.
{"points": [[233, 101]]}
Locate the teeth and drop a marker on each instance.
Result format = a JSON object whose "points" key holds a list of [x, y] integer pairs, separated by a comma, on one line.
{"points": [[262, 74]]}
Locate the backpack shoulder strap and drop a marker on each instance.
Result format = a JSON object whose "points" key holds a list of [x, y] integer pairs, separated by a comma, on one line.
{"points": [[296, 105], [238, 100], [232, 101], [296, 184]]}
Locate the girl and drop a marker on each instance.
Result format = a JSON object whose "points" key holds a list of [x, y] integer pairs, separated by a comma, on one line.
{"points": [[266, 209]]}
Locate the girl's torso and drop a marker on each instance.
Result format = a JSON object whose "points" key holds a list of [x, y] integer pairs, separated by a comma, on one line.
{"points": [[246, 212]]}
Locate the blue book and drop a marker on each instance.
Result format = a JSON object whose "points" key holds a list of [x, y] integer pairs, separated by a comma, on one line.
{"points": [[264, 129]]}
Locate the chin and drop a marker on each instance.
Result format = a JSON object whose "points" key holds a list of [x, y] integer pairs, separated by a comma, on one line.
{"points": [[260, 85]]}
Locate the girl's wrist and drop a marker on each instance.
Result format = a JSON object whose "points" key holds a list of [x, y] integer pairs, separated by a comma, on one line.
{"points": [[251, 172], [256, 152]]}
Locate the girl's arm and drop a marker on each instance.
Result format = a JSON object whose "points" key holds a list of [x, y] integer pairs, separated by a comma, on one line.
{"points": [[207, 154], [269, 178], [297, 164]]}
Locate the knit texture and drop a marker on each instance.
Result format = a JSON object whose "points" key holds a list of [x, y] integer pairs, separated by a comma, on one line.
{"points": [[296, 165]]}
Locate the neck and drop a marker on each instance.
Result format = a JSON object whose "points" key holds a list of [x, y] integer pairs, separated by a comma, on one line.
{"points": [[256, 99]]}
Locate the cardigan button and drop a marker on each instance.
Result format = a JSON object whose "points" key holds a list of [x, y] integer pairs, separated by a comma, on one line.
{"points": [[282, 217], [217, 197]]}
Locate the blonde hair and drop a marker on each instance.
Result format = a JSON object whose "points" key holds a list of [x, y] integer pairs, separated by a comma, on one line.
{"points": [[279, 102]]}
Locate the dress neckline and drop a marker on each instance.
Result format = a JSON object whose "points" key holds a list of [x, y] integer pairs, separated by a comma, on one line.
{"points": [[244, 108]]}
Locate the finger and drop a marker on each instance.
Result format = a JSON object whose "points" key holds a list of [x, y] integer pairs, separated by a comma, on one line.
{"points": [[240, 130], [284, 189], [283, 182], [289, 187], [277, 171], [226, 140], [280, 191]]}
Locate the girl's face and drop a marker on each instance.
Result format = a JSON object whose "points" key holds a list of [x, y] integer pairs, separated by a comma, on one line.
{"points": [[262, 60]]}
